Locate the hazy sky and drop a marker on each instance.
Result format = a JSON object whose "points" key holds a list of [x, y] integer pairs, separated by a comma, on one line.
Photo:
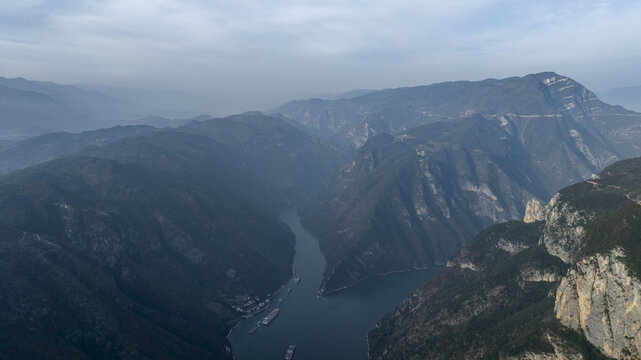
{"points": [[266, 50]]}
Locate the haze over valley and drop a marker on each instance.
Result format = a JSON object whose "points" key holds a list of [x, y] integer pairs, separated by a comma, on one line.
{"points": [[417, 180]]}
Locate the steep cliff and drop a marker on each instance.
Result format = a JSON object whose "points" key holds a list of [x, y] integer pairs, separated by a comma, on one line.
{"points": [[600, 299], [565, 284]]}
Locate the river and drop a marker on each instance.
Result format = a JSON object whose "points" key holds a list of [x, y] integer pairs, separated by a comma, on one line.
{"points": [[332, 327]]}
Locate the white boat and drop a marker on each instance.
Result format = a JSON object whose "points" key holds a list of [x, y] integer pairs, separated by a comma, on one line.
{"points": [[271, 316]]}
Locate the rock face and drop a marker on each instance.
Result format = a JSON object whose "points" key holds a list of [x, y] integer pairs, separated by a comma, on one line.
{"points": [[538, 290], [600, 298], [564, 228], [532, 211]]}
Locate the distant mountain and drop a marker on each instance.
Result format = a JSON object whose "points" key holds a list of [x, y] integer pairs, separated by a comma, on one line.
{"points": [[162, 103], [350, 94], [350, 122], [105, 260], [628, 97], [20, 154], [264, 159], [28, 112], [161, 122], [337, 96], [30, 108], [94, 105], [563, 285], [410, 200], [291, 163]]}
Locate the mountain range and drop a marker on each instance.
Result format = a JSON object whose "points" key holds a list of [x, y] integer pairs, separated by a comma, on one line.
{"points": [[411, 199], [33, 107], [29, 108], [537, 97], [145, 242], [628, 97], [149, 243]]}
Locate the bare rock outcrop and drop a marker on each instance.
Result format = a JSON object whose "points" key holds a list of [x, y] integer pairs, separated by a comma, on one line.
{"points": [[533, 211], [599, 298]]}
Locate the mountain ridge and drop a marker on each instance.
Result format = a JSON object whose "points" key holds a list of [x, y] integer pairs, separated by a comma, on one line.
{"points": [[440, 177], [349, 122]]}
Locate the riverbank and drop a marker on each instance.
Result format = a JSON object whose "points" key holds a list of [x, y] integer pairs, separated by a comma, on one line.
{"points": [[327, 293]]}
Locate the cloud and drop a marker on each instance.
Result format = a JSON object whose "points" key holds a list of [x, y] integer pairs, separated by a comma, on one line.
{"points": [[261, 48]]}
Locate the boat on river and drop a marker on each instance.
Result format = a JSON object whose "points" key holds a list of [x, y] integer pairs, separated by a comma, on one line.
{"points": [[270, 316], [290, 352]]}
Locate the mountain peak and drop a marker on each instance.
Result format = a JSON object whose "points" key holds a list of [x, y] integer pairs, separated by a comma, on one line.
{"points": [[350, 122]]}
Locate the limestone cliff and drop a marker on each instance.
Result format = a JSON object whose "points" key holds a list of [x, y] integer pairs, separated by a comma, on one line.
{"points": [[532, 211], [564, 227], [564, 285], [600, 299]]}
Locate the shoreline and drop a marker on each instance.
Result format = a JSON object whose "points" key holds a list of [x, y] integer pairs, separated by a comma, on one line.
{"points": [[271, 297], [273, 294], [326, 293]]}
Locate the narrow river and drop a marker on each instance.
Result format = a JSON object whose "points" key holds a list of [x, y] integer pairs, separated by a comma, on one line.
{"points": [[332, 327]]}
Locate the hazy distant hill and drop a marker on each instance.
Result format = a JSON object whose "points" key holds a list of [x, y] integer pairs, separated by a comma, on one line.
{"points": [[33, 107], [274, 163], [19, 154], [563, 285], [161, 122], [28, 112], [163, 103], [96, 105], [292, 164], [628, 97], [411, 199], [29, 108], [261, 159], [337, 96]]}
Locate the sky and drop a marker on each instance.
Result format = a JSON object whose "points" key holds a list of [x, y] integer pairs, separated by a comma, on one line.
{"points": [[264, 52]]}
